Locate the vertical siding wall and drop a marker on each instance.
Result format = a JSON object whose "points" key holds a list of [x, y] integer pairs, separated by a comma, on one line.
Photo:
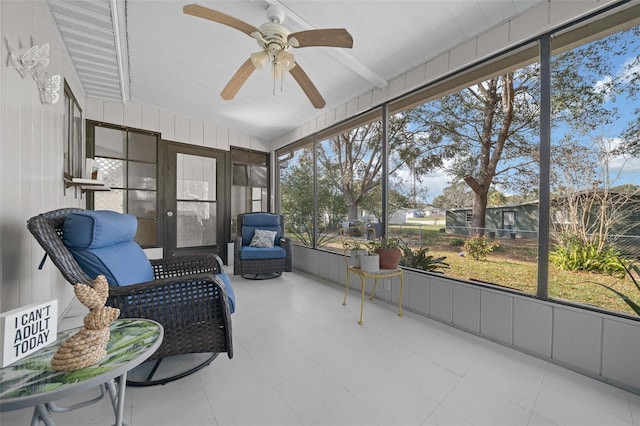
{"points": [[601, 346], [172, 126], [31, 153], [533, 22]]}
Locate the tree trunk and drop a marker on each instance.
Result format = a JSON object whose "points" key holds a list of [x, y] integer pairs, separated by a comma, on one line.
{"points": [[478, 220], [352, 212]]}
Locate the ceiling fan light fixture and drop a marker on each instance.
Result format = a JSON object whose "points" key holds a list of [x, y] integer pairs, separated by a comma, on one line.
{"points": [[285, 60], [260, 59]]}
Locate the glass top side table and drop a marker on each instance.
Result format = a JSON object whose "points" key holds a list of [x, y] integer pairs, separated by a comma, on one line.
{"points": [[31, 382]]}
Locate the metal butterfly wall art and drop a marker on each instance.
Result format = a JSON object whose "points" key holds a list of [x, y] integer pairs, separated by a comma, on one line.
{"points": [[34, 60], [49, 88]]}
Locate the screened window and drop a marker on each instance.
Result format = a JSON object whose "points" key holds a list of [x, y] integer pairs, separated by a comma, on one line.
{"points": [[349, 182], [595, 185], [295, 169]]}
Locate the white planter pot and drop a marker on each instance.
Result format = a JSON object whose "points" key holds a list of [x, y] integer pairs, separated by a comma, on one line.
{"points": [[355, 256], [370, 263]]}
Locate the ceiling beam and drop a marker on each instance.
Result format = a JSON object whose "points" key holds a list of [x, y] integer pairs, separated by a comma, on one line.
{"points": [[118, 20]]}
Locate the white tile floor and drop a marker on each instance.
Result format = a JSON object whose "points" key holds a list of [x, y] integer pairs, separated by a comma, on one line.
{"points": [[301, 359]]}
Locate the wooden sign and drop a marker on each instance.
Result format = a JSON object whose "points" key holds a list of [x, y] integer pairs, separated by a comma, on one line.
{"points": [[26, 329]]}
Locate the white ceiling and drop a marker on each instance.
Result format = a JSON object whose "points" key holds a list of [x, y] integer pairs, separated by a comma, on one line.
{"points": [[181, 63]]}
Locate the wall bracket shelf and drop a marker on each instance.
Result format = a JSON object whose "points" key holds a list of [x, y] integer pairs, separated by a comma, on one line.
{"points": [[84, 185]]}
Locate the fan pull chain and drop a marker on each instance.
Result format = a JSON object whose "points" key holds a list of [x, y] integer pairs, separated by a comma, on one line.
{"points": [[275, 77]]}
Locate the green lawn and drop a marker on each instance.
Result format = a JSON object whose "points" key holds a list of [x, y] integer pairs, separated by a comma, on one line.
{"points": [[521, 275]]}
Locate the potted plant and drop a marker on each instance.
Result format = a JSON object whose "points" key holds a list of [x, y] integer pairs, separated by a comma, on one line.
{"points": [[370, 262], [389, 250], [356, 250]]}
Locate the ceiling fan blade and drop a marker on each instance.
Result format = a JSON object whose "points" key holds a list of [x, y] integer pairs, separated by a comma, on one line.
{"points": [[307, 86], [219, 17], [238, 79], [330, 37]]}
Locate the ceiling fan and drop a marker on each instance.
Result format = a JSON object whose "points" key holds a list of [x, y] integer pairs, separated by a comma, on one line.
{"points": [[275, 41]]}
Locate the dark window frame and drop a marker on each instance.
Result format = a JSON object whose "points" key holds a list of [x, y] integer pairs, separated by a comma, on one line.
{"points": [[90, 149], [73, 146]]}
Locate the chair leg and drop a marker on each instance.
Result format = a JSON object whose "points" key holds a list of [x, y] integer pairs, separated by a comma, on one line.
{"points": [[261, 275], [153, 370], [373, 292], [401, 290], [363, 282], [149, 382], [346, 289]]}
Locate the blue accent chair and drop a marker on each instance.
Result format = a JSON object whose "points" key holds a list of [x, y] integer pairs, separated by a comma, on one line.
{"points": [[261, 262], [189, 295]]}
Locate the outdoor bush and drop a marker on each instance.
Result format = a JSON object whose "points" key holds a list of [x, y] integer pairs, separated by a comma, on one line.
{"points": [[419, 259], [456, 242], [479, 246], [573, 254]]}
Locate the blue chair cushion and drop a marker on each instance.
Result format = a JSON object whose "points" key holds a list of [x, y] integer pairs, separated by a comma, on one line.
{"points": [[263, 221], [98, 228], [230, 293], [256, 253], [102, 243]]}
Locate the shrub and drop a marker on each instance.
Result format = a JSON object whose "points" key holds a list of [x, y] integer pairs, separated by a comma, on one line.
{"points": [[456, 242], [573, 254], [419, 259], [479, 246]]}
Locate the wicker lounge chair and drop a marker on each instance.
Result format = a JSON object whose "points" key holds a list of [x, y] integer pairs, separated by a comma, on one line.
{"points": [[259, 262], [187, 295]]}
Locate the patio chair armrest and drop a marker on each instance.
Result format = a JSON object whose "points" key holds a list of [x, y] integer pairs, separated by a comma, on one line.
{"points": [[285, 243], [205, 263], [193, 309], [237, 246], [219, 262]]}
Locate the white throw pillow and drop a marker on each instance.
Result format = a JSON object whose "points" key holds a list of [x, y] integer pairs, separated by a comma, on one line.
{"points": [[263, 238]]}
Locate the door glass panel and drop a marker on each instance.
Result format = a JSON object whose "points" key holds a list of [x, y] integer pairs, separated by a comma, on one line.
{"points": [[195, 178], [258, 199], [196, 224], [142, 175], [196, 195], [109, 142], [250, 183]]}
